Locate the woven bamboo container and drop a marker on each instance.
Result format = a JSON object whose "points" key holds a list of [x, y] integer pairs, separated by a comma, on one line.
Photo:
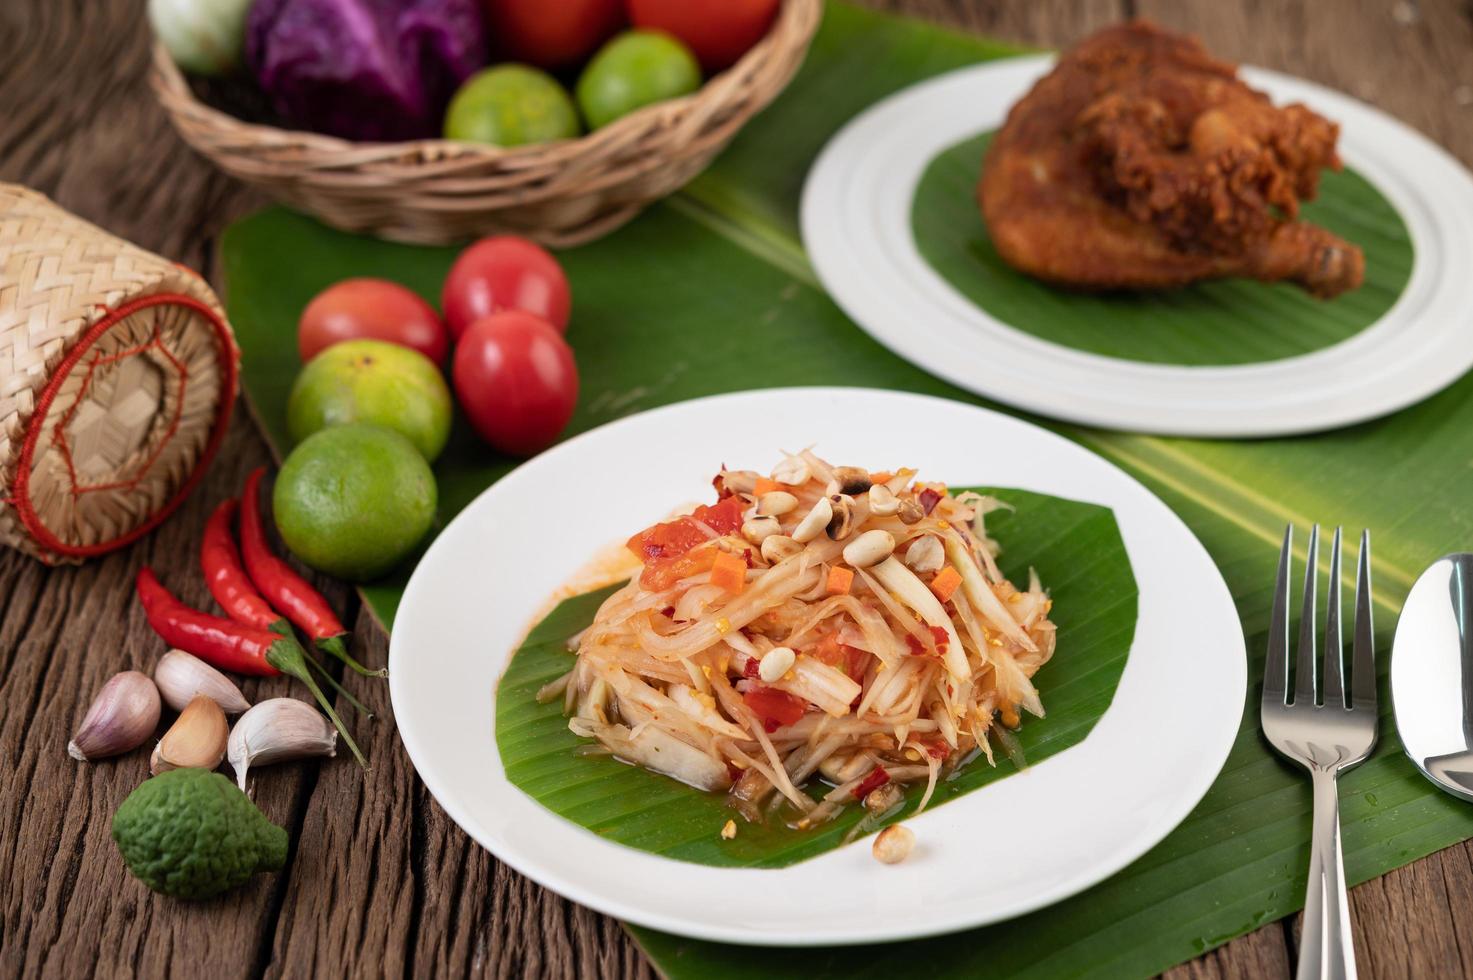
{"points": [[117, 376], [439, 192]]}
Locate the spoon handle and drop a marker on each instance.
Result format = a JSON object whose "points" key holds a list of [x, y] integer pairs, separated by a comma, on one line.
{"points": [[1326, 951]]}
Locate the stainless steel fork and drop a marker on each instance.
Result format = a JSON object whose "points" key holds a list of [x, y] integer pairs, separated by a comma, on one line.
{"points": [[1326, 737]]}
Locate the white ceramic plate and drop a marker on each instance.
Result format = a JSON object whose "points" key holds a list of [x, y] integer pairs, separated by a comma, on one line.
{"points": [[857, 230], [1143, 767]]}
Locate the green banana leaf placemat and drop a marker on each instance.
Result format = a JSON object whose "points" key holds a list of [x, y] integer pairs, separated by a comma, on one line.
{"points": [[1078, 554], [1230, 321], [711, 292]]}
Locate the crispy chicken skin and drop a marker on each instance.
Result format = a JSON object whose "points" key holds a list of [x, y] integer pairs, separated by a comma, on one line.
{"points": [[1141, 162]]}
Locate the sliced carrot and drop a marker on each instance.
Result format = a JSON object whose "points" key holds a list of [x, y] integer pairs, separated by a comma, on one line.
{"points": [[729, 573], [945, 583], [764, 485], [840, 578]]}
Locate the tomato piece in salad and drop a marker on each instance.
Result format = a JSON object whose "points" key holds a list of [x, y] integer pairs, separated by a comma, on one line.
{"points": [[829, 650], [938, 636], [666, 548], [851, 660], [671, 539], [775, 708], [662, 574]]}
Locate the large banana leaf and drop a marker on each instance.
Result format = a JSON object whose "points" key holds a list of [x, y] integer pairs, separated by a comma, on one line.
{"points": [[1077, 551], [1231, 321], [711, 292]]}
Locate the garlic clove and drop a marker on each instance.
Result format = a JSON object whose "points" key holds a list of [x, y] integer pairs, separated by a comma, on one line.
{"points": [[121, 718], [279, 730], [181, 676], [196, 740]]}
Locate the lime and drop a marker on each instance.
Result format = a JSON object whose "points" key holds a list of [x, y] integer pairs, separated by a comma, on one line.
{"points": [[353, 500], [511, 105], [633, 70], [372, 381]]}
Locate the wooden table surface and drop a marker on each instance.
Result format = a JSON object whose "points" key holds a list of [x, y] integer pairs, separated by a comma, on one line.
{"points": [[380, 880]]}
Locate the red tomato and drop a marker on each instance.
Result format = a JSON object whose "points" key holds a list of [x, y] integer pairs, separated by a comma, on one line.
{"points": [[718, 31], [505, 272], [552, 33], [666, 548], [671, 539], [775, 708], [371, 308], [661, 573], [514, 375]]}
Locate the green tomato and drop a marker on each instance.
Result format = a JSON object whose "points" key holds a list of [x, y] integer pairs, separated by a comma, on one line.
{"points": [[511, 105], [192, 834], [633, 70]]}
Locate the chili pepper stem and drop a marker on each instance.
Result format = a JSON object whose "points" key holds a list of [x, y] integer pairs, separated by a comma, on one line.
{"points": [[358, 706], [335, 646], [287, 656]]}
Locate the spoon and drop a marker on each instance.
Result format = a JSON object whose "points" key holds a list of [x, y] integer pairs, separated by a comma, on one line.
{"points": [[1432, 674]]}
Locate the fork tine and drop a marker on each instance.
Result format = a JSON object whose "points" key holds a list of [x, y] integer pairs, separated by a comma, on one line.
{"points": [[1306, 662], [1276, 667], [1334, 669], [1363, 675]]}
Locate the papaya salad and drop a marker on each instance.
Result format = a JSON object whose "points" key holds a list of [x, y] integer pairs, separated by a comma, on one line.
{"points": [[820, 628]]}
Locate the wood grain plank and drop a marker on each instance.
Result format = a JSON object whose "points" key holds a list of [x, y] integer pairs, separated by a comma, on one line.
{"points": [[1042, 23], [383, 879], [1412, 922], [1414, 60], [79, 125], [1263, 954]]}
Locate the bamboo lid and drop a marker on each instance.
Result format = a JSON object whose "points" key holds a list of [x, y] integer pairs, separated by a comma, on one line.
{"points": [[117, 377]]}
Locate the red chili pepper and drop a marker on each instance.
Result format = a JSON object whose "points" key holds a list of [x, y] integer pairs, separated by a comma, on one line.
{"points": [[229, 645], [877, 778], [288, 592], [227, 580], [936, 748], [929, 499], [219, 642]]}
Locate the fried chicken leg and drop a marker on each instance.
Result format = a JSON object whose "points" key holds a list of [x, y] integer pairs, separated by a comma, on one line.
{"points": [[1142, 162]]}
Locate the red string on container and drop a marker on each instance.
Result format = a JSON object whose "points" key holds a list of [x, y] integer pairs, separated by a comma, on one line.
{"points": [[20, 491]]}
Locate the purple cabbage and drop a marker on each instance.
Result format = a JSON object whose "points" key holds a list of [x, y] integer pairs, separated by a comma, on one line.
{"points": [[364, 69]]}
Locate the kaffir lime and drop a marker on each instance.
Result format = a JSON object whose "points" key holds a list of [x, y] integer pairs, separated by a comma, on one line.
{"points": [[192, 834]]}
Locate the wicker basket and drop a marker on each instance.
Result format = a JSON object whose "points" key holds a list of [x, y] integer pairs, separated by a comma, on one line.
{"points": [[117, 376], [439, 192]]}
